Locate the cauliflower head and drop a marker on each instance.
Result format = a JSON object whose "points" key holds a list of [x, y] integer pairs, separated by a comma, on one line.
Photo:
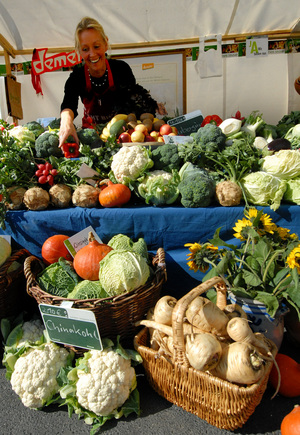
{"points": [[130, 162], [32, 331], [107, 383], [35, 372]]}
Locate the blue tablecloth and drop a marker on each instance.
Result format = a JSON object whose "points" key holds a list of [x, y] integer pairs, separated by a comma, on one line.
{"points": [[167, 227]]}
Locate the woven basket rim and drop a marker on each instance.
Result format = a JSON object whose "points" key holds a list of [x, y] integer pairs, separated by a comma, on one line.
{"points": [[160, 275]]}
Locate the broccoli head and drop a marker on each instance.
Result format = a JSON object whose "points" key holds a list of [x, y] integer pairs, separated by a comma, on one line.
{"points": [[166, 158], [47, 144], [210, 136], [197, 190], [35, 127], [87, 136], [54, 124]]}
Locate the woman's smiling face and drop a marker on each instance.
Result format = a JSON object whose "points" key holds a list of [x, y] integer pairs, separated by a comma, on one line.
{"points": [[92, 49]]}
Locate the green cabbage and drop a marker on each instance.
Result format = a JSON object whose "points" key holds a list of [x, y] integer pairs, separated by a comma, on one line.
{"points": [[292, 193], [125, 243], [88, 290], [58, 279], [262, 188], [282, 164], [123, 271]]}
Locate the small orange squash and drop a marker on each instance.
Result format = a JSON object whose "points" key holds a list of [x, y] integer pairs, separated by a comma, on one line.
{"points": [[290, 425], [114, 195], [87, 259], [54, 247]]}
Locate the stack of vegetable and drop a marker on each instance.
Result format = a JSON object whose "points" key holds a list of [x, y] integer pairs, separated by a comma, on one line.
{"points": [[97, 271], [217, 340], [98, 385]]}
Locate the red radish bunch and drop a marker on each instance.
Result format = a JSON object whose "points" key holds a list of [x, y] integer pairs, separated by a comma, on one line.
{"points": [[46, 173]]}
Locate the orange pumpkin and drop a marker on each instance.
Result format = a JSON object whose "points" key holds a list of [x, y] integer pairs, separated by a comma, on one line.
{"points": [[290, 376], [54, 247], [290, 425], [114, 195], [87, 259]]}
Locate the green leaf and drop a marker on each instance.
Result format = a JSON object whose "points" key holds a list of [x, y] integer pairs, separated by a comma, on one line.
{"points": [[271, 302], [251, 278]]}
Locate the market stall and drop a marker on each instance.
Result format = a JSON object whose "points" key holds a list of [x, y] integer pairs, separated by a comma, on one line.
{"points": [[154, 243]]}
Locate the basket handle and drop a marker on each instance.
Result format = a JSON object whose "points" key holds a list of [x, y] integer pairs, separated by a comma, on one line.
{"points": [[16, 256], [179, 314], [30, 277]]}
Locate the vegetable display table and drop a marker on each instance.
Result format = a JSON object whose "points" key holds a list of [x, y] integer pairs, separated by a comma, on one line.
{"points": [[167, 227]]}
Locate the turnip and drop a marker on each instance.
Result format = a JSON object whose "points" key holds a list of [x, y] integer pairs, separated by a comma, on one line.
{"points": [[60, 195], [205, 315], [166, 329], [203, 351], [86, 195], [16, 195], [163, 310], [240, 363], [234, 310]]}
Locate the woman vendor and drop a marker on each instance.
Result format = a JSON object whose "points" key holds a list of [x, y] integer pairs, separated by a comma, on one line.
{"points": [[106, 86]]}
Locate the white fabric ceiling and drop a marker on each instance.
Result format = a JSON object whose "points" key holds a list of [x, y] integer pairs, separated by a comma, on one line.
{"points": [[28, 24]]}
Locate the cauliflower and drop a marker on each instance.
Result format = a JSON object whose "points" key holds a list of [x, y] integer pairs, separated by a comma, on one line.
{"points": [[32, 331], [35, 371], [159, 187], [22, 134], [102, 385], [130, 162], [107, 383]]}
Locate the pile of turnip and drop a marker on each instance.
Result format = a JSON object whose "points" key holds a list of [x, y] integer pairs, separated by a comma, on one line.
{"points": [[217, 340]]}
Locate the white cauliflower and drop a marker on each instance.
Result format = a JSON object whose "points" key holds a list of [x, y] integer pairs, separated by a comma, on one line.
{"points": [[35, 372], [107, 383], [32, 331], [131, 162]]}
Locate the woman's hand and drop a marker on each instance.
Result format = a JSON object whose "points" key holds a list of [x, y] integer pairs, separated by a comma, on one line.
{"points": [[67, 127]]}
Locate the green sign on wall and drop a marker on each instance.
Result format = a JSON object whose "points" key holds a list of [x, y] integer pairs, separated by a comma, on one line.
{"points": [[71, 326]]}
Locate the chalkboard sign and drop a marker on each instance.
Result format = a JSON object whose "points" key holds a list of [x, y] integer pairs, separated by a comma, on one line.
{"points": [[71, 326], [187, 124]]}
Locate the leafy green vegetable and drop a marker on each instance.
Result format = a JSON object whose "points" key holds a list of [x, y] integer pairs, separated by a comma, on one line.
{"points": [[166, 158], [123, 271], [262, 188], [292, 193], [283, 164], [35, 127], [287, 122], [58, 279], [87, 136], [159, 187], [88, 290], [125, 243]]}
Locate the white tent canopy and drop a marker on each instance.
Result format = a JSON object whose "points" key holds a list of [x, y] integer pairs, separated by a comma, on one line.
{"points": [[135, 26]]}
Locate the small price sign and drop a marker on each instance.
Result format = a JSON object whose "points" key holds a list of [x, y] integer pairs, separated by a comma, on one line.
{"points": [[257, 46], [71, 326]]}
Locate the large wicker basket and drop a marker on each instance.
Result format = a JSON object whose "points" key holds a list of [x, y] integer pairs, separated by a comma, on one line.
{"points": [[115, 315], [13, 296], [220, 403]]}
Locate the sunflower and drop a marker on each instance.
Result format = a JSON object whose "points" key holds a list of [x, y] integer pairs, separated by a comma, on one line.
{"points": [[198, 254], [265, 224], [293, 260]]}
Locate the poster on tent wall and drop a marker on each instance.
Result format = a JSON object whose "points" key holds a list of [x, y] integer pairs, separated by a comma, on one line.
{"points": [[163, 74]]}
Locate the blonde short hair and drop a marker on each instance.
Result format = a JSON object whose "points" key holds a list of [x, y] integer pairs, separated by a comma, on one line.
{"points": [[88, 23]]}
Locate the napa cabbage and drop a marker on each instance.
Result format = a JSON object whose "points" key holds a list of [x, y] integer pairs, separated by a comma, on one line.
{"points": [[123, 271], [283, 164], [88, 290], [263, 189]]}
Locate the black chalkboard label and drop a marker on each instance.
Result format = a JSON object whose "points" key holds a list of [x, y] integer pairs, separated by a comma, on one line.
{"points": [[71, 326], [187, 124]]}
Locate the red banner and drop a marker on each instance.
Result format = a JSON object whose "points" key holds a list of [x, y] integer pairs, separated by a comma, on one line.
{"points": [[41, 64]]}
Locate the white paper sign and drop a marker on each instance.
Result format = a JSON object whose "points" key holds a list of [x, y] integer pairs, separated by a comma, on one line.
{"points": [[79, 240], [257, 46]]}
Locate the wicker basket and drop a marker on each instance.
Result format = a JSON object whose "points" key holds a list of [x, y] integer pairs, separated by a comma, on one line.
{"points": [[115, 315], [13, 296], [220, 403]]}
